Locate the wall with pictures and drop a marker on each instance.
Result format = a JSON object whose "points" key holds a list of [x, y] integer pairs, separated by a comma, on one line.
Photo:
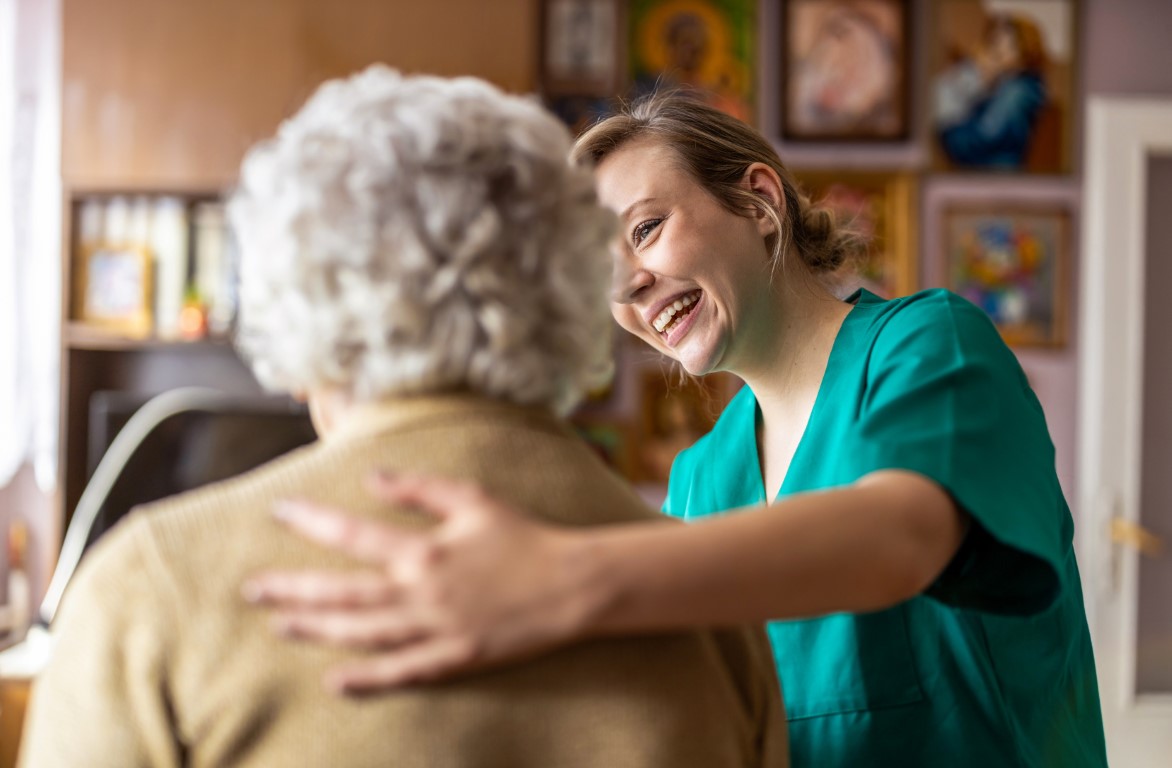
{"points": [[152, 104], [950, 128]]}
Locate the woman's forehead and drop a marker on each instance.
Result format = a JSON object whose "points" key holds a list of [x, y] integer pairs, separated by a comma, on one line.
{"points": [[638, 167]]}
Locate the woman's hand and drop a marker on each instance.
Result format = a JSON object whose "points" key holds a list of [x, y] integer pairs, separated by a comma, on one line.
{"points": [[485, 586]]}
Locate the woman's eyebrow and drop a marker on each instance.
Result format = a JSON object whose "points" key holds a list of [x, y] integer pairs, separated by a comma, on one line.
{"points": [[627, 211]]}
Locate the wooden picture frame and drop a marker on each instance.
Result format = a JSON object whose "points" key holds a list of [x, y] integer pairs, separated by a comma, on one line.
{"points": [[706, 46], [673, 415], [882, 206], [1002, 94], [114, 290], [1013, 261], [581, 49], [845, 70]]}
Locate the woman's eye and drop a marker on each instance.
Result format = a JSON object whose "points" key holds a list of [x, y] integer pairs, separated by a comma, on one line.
{"points": [[644, 229]]}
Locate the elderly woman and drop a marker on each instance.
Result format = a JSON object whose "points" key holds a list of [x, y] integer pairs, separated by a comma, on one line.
{"points": [[421, 262]]}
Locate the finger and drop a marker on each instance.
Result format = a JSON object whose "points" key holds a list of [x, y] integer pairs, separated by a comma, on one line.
{"points": [[365, 630], [420, 662], [374, 542], [319, 589], [438, 496]]}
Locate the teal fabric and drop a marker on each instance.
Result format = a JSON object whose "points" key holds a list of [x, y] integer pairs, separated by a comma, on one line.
{"points": [[992, 666]]}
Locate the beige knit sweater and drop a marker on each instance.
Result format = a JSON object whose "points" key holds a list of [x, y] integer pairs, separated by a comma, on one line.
{"points": [[159, 662]]}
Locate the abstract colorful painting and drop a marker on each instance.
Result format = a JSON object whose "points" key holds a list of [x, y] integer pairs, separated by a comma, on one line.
{"points": [[1012, 263]]}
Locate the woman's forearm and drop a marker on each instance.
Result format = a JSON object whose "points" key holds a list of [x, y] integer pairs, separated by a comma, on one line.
{"points": [[859, 548]]}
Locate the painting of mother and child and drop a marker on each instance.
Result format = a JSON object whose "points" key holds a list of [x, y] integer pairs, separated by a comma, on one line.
{"points": [[1002, 88]]}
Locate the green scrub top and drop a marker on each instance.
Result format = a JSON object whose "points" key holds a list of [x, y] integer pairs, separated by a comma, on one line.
{"points": [[992, 665]]}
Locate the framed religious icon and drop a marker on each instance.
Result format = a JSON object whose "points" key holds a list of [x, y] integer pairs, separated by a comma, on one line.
{"points": [[707, 46], [844, 70], [114, 290], [1012, 261], [1002, 85], [881, 207], [581, 53]]}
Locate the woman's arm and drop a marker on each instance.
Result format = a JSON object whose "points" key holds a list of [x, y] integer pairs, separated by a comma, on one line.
{"points": [[489, 585], [859, 548]]}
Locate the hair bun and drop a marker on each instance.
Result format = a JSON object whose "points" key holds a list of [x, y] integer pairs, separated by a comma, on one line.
{"points": [[824, 242]]}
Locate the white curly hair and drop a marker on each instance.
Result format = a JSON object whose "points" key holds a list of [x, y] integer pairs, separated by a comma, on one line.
{"points": [[413, 234]]}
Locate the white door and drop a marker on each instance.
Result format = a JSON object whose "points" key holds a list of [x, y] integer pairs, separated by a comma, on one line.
{"points": [[1125, 448]]}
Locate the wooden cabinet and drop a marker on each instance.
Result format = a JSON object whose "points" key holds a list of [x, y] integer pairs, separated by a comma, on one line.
{"points": [[166, 96]]}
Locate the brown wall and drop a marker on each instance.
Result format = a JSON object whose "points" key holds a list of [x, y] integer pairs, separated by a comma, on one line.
{"points": [[170, 93]]}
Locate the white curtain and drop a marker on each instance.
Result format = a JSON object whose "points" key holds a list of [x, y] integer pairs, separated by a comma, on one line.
{"points": [[30, 236]]}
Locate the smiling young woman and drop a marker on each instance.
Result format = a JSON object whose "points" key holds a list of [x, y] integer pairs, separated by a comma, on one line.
{"points": [[902, 527]]}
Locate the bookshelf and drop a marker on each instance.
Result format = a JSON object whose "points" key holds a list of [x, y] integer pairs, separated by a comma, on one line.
{"points": [[134, 264]]}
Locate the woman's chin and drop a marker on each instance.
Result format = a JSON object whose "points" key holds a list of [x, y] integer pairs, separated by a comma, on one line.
{"points": [[696, 361]]}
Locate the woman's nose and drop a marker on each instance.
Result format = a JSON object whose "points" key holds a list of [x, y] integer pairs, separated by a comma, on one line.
{"points": [[628, 279]]}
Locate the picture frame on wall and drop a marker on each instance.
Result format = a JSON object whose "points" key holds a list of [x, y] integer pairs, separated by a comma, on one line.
{"points": [[883, 208], [706, 46], [845, 70], [115, 290], [1012, 260], [581, 48], [1001, 83], [674, 412]]}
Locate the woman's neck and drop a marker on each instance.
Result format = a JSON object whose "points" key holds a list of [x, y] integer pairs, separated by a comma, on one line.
{"points": [[786, 385], [792, 365]]}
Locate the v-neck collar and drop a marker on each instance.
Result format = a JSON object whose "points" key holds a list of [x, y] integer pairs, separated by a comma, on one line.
{"points": [[860, 298]]}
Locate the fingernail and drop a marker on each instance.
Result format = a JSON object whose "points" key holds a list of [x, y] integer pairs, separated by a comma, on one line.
{"points": [[335, 684], [252, 591], [286, 511], [384, 476], [282, 626]]}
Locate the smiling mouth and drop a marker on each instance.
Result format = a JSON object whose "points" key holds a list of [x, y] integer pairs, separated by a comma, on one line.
{"points": [[673, 314]]}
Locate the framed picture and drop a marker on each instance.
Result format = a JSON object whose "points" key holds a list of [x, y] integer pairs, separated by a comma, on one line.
{"points": [[844, 70], [1002, 95], [706, 45], [579, 112], [672, 416], [115, 289], [1012, 261], [580, 51], [882, 207]]}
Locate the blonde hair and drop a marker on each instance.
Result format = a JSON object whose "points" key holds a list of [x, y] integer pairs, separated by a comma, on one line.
{"points": [[716, 149]]}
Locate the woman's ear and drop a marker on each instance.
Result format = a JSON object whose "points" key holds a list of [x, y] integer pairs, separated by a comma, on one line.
{"points": [[764, 182]]}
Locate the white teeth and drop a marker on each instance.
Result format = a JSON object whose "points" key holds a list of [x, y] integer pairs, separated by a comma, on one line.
{"points": [[664, 318]]}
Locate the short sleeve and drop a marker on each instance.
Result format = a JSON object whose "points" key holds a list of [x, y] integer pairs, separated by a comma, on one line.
{"points": [[945, 398]]}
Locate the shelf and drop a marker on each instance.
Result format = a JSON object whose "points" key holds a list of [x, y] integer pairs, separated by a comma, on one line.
{"points": [[82, 336]]}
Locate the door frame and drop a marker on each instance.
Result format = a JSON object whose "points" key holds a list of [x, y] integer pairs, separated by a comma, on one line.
{"points": [[1122, 133]]}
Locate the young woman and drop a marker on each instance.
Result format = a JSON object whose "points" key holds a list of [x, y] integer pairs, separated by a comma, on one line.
{"points": [[906, 536]]}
